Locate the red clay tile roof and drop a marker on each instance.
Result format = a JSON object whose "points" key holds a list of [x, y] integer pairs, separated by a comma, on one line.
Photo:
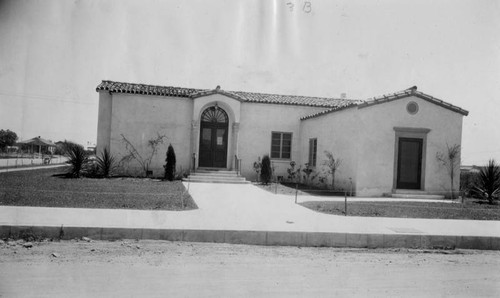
{"points": [[353, 104], [390, 97], [295, 100], [118, 87], [412, 92], [332, 104]]}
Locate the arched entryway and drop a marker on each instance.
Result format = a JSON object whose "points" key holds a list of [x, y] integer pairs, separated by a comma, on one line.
{"points": [[213, 138]]}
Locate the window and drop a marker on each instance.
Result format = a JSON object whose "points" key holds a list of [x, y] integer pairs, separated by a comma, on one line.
{"points": [[412, 108], [313, 147], [281, 145]]}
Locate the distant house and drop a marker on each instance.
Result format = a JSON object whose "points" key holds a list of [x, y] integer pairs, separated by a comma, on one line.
{"points": [[470, 169], [386, 144], [37, 145]]}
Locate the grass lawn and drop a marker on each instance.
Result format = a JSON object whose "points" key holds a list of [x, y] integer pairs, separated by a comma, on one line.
{"points": [[289, 189], [43, 188], [471, 209]]}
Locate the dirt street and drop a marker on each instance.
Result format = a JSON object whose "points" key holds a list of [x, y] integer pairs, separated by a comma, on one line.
{"points": [[178, 269]]}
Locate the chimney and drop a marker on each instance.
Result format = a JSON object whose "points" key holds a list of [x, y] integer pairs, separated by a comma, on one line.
{"points": [[343, 95]]}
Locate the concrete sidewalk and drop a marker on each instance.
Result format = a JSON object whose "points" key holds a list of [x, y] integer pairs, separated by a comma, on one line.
{"points": [[5, 170], [249, 215]]}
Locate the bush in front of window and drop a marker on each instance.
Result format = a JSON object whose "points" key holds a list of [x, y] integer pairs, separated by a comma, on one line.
{"points": [[266, 171], [293, 173]]}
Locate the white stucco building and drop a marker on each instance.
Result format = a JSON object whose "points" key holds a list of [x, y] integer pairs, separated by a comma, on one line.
{"points": [[386, 144]]}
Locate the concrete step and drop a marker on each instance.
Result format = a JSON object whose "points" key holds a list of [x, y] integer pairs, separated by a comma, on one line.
{"points": [[201, 170], [235, 178], [229, 175], [216, 176], [415, 194], [208, 180]]}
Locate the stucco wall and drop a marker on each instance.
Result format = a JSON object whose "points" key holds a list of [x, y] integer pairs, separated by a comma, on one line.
{"points": [[104, 121], [141, 118], [337, 133], [377, 138], [257, 123]]}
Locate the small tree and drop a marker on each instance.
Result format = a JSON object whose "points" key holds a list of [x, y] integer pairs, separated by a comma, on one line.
{"points": [[144, 162], [170, 166], [332, 165], [487, 185], [106, 163], [266, 171], [450, 160], [257, 166], [7, 138], [77, 158]]}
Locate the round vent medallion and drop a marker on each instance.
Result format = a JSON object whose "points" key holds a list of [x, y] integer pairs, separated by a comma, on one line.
{"points": [[412, 107]]}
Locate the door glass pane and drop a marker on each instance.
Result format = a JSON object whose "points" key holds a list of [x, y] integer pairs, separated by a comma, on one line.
{"points": [[220, 138], [206, 137]]}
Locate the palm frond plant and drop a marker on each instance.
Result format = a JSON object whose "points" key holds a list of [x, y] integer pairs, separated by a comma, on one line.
{"points": [[487, 185], [106, 163], [77, 157]]}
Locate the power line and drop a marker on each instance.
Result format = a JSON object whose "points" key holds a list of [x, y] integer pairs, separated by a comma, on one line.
{"points": [[47, 98]]}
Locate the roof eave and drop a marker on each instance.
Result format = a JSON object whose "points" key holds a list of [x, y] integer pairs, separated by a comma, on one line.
{"points": [[328, 111], [418, 94]]}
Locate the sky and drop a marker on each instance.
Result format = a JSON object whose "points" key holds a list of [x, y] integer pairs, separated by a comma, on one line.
{"points": [[53, 54]]}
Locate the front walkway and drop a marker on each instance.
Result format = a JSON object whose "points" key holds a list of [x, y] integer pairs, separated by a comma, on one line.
{"points": [[247, 207], [225, 209]]}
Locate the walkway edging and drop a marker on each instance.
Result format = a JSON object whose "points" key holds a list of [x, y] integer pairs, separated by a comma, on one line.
{"points": [[269, 238]]}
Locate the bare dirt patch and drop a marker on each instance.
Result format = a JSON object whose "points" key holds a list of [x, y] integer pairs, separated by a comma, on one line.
{"points": [[129, 268]]}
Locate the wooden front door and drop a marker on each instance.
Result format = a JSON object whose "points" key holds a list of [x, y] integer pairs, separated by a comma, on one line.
{"points": [[409, 163], [213, 138]]}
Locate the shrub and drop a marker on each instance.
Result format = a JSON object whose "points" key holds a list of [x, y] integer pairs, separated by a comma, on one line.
{"points": [[106, 163], [77, 158], [487, 185], [257, 166], [467, 181], [181, 174], [266, 171], [170, 166], [307, 170], [293, 174]]}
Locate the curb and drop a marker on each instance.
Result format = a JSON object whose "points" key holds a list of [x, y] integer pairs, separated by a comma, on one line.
{"points": [[269, 238]]}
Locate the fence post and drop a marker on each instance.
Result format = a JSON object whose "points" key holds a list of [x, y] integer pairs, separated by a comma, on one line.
{"points": [[350, 181], [296, 191], [345, 203]]}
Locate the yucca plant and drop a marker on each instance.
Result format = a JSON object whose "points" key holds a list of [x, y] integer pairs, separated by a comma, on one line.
{"points": [[106, 163], [487, 185], [77, 157]]}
